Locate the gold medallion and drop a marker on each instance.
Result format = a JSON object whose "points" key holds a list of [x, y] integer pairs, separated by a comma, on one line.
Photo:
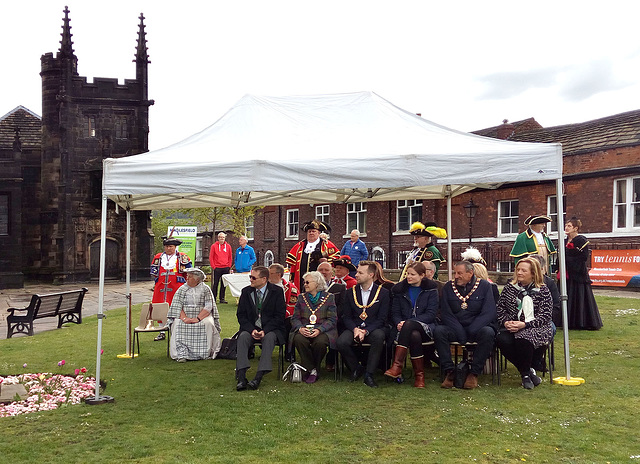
{"points": [[313, 319], [363, 316], [464, 305]]}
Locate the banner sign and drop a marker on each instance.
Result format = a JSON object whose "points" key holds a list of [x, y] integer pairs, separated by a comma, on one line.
{"points": [[615, 268], [189, 237]]}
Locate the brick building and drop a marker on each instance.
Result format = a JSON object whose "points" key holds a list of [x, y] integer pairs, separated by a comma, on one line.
{"points": [[601, 166], [51, 182]]}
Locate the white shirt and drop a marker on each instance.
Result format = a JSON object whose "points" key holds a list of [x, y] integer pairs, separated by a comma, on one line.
{"points": [[539, 238], [311, 246], [366, 294], [168, 262]]}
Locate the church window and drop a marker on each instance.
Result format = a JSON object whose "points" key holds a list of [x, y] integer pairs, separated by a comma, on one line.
{"points": [[89, 126]]}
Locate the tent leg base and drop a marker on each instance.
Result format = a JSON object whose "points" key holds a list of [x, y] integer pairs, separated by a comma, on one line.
{"points": [[572, 382], [102, 399]]}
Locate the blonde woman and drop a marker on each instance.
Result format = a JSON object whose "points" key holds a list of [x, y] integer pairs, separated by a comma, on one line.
{"points": [[524, 315]]}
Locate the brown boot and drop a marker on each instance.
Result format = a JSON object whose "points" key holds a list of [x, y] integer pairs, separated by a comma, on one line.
{"points": [[418, 371], [449, 378], [471, 382], [395, 370]]}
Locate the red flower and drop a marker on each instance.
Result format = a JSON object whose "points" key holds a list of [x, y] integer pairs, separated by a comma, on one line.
{"points": [[570, 246], [83, 370]]}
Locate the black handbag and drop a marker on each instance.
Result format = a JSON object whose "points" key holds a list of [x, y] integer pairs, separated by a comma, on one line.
{"points": [[462, 371], [229, 347]]}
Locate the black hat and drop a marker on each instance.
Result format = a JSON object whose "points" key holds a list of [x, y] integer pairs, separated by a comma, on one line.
{"points": [[344, 261], [315, 224], [171, 241], [536, 220], [428, 230]]}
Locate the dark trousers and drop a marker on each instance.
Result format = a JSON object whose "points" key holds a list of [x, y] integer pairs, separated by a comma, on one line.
{"points": [[311, 350], [217, 277], [520, 352], [412, 335], [345, 347], [246, 341], [443, 336]]}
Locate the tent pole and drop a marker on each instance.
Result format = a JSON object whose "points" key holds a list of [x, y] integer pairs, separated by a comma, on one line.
{"points": [[567, 380], [129, 351], [449, 244], [98, 399]]}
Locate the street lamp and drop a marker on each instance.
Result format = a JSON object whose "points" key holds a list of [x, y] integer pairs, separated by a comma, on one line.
{"points": [[470, 209]]}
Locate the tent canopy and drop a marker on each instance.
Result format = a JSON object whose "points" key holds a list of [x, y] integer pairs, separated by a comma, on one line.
{"points": [[321, 149]]}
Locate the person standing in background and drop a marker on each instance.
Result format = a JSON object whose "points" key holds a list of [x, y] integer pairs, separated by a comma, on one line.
{"points": [[245, 256], [355, 249], [220, 258]]}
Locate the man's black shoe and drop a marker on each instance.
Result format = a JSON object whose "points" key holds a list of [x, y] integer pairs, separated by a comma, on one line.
{"points": [[369, 382], [254, 384], [357, 373], [223, 302], [161, 336], [242, 385]]}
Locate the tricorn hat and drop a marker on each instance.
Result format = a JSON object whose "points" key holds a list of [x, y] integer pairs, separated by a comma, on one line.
{"points": [[171, 241], [536, 220], [428, 230], [315, 224], [473, 255], [197, 271], [344, 261]]}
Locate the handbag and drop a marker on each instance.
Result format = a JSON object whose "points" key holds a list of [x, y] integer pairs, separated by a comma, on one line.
{"points": [[293, 373], [462, 371], [229, 347]]}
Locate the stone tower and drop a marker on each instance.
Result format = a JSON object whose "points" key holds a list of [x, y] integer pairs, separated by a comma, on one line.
{"points": [[82, 124]]}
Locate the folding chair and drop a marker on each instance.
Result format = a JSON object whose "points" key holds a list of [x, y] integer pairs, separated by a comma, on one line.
{"points": [[149, 314], [281, 349]]}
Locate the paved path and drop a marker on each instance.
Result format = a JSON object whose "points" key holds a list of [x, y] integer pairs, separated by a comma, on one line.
{"points": [[115, 297]]}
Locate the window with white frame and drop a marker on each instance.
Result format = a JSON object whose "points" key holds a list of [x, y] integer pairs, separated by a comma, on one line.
{"points": [[552, 212], [322, 213], [378, 255], [508, 211], [292, 223], [626, 206], [268, 258], [357, 217], [505, 266], [408, 212], [248, 227]]}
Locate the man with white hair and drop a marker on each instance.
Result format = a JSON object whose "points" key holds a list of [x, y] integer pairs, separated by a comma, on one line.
{"points": [[355, 249], [245, 256], [194, 319], [220, 258]]}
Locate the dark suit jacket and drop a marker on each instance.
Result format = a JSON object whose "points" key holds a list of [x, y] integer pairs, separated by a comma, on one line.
{"points": [[272, 313], [377, 314]]}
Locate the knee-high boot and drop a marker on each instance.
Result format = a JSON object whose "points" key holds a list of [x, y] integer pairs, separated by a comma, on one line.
{"points": [[395, 370], [418, 371]]}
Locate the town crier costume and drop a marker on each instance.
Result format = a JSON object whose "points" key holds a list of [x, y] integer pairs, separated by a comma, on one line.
{"points": [[307, 254], [534, 241], [168, 269], [425, 250]]}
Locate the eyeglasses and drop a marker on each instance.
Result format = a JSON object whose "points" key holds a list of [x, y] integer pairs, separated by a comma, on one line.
{"points": [[307, 282], [253, 277]]}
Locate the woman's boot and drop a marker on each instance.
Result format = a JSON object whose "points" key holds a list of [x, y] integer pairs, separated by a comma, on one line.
{"points": [[418, 371], [395, 370]]}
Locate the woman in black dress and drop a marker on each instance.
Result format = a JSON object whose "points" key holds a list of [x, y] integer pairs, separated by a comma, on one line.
{"points": [[582, 309]]}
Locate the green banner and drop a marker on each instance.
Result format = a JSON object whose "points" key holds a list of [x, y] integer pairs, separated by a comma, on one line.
{"points": [[189, 236]]}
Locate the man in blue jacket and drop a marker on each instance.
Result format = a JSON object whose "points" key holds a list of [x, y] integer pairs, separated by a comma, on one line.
{"points": [[468, 313], [355, 249], [245, 256]]}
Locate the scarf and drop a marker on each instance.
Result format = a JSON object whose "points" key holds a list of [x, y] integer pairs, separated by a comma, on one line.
{"points": [[525, 302]]}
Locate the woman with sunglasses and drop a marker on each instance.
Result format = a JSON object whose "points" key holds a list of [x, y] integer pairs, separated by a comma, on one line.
{"points": [[313, 324]]}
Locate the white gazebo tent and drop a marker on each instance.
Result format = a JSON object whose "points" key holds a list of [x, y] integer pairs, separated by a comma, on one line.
{"points": [[321, 149]]}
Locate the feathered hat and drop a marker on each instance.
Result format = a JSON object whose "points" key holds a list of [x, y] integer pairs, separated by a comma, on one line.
{"points": [[315, 224], [171, 241], [473, 256], [429, 230]]}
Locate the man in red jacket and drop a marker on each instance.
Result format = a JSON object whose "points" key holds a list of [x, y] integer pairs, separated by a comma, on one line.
{"points": [[220, 258]]}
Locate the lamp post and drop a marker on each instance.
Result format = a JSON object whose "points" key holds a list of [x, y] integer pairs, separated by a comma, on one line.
{"points": [[470, 209]]}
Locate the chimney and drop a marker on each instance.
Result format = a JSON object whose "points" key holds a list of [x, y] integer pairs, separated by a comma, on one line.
{"points": [[505, 130]]}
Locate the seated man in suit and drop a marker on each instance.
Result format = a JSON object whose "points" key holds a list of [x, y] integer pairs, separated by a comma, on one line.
{"points": [[365, 314], [261, 312], [468, 313]]}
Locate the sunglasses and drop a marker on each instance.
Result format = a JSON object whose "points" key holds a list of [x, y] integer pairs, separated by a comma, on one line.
{"points": [[307, 282], [253, 277]]}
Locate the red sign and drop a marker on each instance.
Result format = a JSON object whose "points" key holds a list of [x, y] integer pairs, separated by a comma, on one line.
{"points": [[615, 268]]}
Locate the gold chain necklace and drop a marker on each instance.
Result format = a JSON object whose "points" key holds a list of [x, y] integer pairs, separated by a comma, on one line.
{"points": [[464, 299], [364, 308], [313, 318]]}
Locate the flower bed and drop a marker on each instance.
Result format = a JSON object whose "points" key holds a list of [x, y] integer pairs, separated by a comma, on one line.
{"points": [[47, 391]]}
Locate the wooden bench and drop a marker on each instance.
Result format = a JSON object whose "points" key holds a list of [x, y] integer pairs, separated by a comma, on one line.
{"points": [[67, 306]]}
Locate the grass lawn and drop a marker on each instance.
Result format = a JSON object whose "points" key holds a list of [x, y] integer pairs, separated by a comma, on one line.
{"points": [[170, 412]]}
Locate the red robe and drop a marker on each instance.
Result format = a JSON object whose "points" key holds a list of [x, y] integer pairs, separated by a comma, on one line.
{"points": [[168, 280], [290, 296], [300, 263]]}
